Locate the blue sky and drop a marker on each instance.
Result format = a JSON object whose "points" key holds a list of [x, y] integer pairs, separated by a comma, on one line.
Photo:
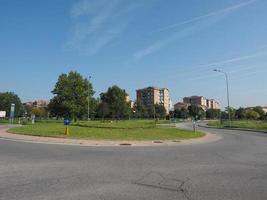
{"points": [[134, 44]]}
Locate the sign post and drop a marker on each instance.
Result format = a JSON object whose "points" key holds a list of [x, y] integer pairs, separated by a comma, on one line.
{"points": [[66, 123], [33, 118], [194, 125], [12, 113]]}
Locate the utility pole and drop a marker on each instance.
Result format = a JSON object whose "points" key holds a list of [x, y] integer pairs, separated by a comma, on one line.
{"points": [[228, 96], [88, 108]]}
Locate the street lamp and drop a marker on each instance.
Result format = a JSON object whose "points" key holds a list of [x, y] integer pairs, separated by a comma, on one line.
{"points": [[228, 99], [88, 108]]}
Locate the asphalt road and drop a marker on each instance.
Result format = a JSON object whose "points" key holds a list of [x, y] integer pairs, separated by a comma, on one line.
{"points": [[234, 167]]}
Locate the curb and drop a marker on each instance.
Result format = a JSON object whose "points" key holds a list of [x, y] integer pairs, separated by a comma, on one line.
{"points": [[47, 140]]}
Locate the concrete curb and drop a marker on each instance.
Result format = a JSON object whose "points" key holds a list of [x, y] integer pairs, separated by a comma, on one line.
{"points": [[4, 135]]}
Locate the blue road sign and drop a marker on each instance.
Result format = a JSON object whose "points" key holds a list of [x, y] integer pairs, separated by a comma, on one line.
{"points": [[66, 121]]}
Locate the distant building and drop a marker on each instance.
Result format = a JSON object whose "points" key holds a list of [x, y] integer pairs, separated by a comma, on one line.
{"points": [[153, 95], [181, 105], [264, 108], [202, 101], [40, 103], [28, 106], [171, 106], [214, 104], [128, 99]]}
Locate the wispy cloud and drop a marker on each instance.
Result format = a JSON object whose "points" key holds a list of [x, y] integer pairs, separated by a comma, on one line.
{"points": [[201, 22], [231, 65], [211, 14], [204, 67], [97, 23]]}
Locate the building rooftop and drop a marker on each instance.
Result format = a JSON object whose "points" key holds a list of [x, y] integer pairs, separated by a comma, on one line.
{"points": [[152, 87]]}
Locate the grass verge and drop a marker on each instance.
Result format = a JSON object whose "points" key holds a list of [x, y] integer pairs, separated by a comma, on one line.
{"points": [[138, 131], [246, 124]]}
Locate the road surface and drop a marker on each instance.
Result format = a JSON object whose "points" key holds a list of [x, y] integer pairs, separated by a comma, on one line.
{"points": [[234, 167]]}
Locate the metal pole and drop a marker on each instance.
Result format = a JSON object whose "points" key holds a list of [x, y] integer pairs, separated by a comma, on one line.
{"points": [[228, 100], [88, 108], [228, 96]]}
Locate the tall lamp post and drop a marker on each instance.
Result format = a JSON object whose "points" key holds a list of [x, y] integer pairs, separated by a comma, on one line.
{"points": [[88, 108], [228, 98]]}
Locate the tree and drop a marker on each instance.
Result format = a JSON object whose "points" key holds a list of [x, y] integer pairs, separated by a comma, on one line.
{"points": [[260, 111], [240, 113], [213, 113], [39, 112], [140, 110], [182, 113], [160, 111], [94, 103], [252, 115], [6, 99], [115, 98], [71, 96], [232, 112], [103, 110], [196, 112]]}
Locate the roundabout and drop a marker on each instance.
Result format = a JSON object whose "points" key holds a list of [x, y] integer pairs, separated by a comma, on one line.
{"points": [[233, 167], [5, 134]]}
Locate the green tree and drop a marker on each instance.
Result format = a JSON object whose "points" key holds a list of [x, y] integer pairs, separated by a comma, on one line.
{"points": [[196, 112], [94, 102], [213, 113], [160, 111], [240, 113], [39, 112], [260, 111], [71, 96], [140, 110], [115, 98], [252, 115], [6, 99], [103, 110], [232, 112], [182, 113]]}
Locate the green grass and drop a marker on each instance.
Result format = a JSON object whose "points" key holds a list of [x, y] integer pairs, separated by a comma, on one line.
{"points": [[124, 130], [4, 121], [122, 124], [246, 124]]}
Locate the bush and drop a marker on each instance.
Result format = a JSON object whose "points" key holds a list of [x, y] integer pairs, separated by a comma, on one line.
{"points": [[24, 122]]}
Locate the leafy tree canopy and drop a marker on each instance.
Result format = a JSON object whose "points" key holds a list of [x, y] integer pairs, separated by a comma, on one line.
{"points": [[140, 110], [71, 95], [6, 99], [213, 113], [116, 99], [196, 112]]}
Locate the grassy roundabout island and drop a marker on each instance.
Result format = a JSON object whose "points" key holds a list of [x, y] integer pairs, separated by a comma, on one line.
{"points": [[137, 130]]}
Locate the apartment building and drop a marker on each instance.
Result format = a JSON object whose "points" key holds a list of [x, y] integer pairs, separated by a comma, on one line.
{"points": [[202, 101], [213, 104], [128, 99], [181, 105], [36, 104], [196, 100], [153, 95]]}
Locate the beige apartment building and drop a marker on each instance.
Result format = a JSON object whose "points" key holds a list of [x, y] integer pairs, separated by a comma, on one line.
{"points": [[181, 105], [202, 101], [153, 95]]}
